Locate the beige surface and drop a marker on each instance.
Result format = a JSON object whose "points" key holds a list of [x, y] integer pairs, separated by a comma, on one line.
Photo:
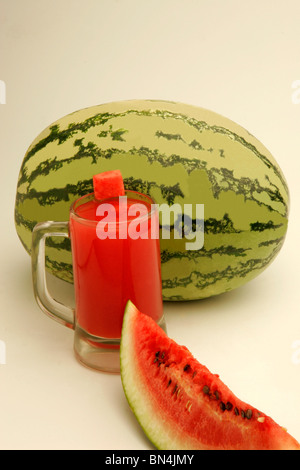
{"points": [[239, 59]]}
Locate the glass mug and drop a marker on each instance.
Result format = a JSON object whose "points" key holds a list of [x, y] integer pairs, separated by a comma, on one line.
{"points": [[113, 262]]}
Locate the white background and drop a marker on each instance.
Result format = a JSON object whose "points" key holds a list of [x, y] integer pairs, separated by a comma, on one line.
{"points": [[238, 58]]}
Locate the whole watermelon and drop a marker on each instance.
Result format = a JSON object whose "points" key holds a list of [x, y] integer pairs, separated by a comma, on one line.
{"points": [[176, 153]]}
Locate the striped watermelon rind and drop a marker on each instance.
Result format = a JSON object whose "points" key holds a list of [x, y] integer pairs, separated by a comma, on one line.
{"points": [[176, 153]]}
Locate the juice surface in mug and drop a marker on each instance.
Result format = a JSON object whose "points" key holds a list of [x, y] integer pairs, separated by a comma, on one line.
{"points": [[110, 271]]}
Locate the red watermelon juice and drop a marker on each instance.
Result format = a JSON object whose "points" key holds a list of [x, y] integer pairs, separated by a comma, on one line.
{"points": [[116, 258]]}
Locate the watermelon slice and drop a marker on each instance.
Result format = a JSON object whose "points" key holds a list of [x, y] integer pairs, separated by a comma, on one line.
{"points": [[108, 184], [180, 404]]}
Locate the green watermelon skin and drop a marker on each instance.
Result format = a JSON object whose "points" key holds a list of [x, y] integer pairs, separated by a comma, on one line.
{"points": [[176, 153], [180, 404]]}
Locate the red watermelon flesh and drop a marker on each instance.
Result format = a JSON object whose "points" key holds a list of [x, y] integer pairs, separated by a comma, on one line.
{"points": [[108, 184], [180, 404]]}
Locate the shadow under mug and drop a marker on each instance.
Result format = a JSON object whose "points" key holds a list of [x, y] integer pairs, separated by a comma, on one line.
{"points": [[107, 272]]}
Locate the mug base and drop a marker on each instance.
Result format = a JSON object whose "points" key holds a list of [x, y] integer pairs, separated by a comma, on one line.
{"points": [[102, 354]]}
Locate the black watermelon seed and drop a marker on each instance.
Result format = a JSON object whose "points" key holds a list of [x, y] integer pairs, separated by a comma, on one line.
{"points": [[243, 414], [236, 411], [217, 394], [222, 406], [155, 360], [194, 373], [186, 368], [249, 414], [157, 353], [162, 355], [169, 383], [229, 406], [205, 389], [174, 389]]}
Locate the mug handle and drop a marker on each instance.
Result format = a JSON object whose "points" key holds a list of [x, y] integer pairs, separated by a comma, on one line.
{"points": [[54, 309]]}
